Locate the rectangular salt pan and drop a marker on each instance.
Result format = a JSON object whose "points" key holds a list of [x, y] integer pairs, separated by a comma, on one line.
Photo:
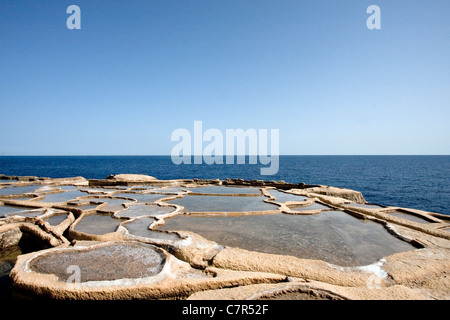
{"points": [[225, 190], [332, 236], [284, 197], [17, 190]]}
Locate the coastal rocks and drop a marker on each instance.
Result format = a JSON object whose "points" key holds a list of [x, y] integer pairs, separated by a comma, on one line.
{"points": [[34, 231], [341, 193], [426, 269], [128, 237]]}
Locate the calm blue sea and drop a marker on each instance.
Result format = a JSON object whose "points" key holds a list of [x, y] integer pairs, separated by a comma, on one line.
{"points": [[421, 182]]}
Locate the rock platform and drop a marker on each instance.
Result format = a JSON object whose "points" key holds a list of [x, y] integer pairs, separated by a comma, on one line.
{"points": [[106, 239]]}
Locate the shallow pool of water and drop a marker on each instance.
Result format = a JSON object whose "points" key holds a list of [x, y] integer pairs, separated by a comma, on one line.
{"points": [[63, 196], [116, 261], [18, 190], [56, 219], [314, 206], [6, 210], [8, 181], [332, 236], [145, 210], [140, 197], [98, 224], [112, 204], [85, 206], [283, 196], [226, 190], [409, 216], [223, 204], [66, 188], [139, 227]]}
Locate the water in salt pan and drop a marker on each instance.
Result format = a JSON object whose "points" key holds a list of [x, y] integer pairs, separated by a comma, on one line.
{"points": [[297, 293], [112, 204], [314, 206], [89, 206], [8, 181], [18, 190], [63, 196], [66, 188], [409, 216], [332, 236], [284, 197], [97, 224], [173, 190], [140, 197], [145, 210], [56, 219], [116, 261], [226, 190], [223, 204], [140, 227], [365, 205], [11, 210], [100, 190], [25, 197]]}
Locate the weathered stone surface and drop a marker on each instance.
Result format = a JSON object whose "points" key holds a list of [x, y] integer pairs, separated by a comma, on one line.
{"points": [[309, 290], [342, 193], [151, 264], [239, 259], [10, 236]]}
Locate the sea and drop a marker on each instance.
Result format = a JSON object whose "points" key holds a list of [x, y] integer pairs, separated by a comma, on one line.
{"points": [[419, 182]]}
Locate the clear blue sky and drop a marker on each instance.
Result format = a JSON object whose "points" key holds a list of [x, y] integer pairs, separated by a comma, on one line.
{"points": [[137, 70]]}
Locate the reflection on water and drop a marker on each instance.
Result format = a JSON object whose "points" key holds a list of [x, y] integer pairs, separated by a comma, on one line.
{"points": [[332, 236]]}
